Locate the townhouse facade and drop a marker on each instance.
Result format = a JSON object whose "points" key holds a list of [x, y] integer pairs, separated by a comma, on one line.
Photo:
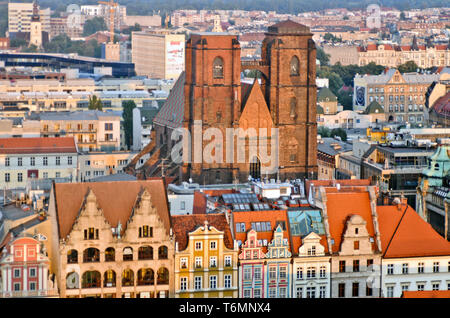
{"points": [[206, 257], [97, 164], [24, 159], [112, 240]]}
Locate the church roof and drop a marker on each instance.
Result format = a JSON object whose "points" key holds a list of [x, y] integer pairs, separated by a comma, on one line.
{"points": [[172, 112], [288, 26]]}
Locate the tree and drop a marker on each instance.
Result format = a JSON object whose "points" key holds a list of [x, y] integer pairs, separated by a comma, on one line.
{"points": [[339, 132], [127, 116], [323, 131], [408, 67], [93, 25], [323, 57], [95, 103]]}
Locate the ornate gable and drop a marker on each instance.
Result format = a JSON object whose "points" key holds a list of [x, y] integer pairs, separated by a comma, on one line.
{"points": [[90, 217], [356, 239], [144, 213], [311, 246], [279, 247], [252, 248]]}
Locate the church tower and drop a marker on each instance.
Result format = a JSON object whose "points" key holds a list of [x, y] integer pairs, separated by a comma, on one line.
{"points": [[35, 27], [212, 100], [289, 53]]}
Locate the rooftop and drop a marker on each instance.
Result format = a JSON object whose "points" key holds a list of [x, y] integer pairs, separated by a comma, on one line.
{"points": [[37, 145]]}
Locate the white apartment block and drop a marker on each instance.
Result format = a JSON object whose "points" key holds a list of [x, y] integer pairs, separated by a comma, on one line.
{"points": [[22, 159], [19, 17]]}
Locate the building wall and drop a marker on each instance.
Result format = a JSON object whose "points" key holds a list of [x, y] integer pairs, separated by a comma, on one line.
{"points": [[92, 165], [346, 55], [148, 54], [413, 279]]}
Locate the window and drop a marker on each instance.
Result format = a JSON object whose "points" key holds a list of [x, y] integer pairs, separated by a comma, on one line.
{"points": [[32, 161], [310, 272], [146, 231], [436, 267], [32, 272], [322, 291], [197, 282], [218, 68], [19, 161], [435, 286], [295, 66], [272, 292], [227, 260], [198, 246], [7, 162], [32, 286], [7, 177], [356, 265], [257, 293], [356, 245], [420, 286], [212, 245], [20, 177], [355, 289], [247, 273], [283, 272], [69, 160], [108, 126], [322, 271], [198, 262], [312, 251], [183, 262], [299, 273], [341, 290], [45, 175], [213, 261], [16, 273], [405, 268], [183, 283], [369, 262], [405, 288], [369, 290], [283, 291], [213, 282], [299, 292], [182, 205], [390, 291], [341, 266], [257, 273], [16, 286], [390, 269], [272, 272], [247, 293], [57, 174], [421, 267], [227, 281], [58, 161]]}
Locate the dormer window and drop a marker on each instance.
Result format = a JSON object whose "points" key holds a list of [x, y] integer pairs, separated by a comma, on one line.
{"points": [[145, 231], [218, 68], [91, 234], [312, 251]]}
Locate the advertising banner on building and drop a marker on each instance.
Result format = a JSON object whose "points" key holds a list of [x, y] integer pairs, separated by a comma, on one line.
{"points": [[360, 96], [174, 58]]}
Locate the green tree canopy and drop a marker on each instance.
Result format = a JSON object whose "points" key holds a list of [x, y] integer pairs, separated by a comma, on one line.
{"points": [[127, 116], [93, 25], [95, 103], [408, 67]]}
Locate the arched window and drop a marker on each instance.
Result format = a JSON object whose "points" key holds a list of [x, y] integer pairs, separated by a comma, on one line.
{"points": [[127, 254], [72, 257], [295, 66], [91, 279], [163, 276], [91, 255], [145, 276], [127, 277], [110, 254], [218, 68], [145, 252], [109, 278], [162, 252]]}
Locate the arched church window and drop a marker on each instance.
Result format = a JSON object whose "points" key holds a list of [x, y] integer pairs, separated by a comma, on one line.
{"points": [[293, 111], [218, 67], [295, 66]]}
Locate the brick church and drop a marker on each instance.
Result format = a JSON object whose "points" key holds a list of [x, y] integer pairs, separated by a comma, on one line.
{"points": [[212, 94]]}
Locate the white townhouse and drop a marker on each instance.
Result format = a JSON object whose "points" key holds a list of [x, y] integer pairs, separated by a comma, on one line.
{"points": [[415, 257], [22, 159]]}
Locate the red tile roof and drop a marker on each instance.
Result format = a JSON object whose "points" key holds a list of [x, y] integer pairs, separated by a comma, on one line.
{"points": [[37, 145], [199, 203], [340, 207], [271, 216], [116, 199], [184, 224], [426, 294], [405, 234]]}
